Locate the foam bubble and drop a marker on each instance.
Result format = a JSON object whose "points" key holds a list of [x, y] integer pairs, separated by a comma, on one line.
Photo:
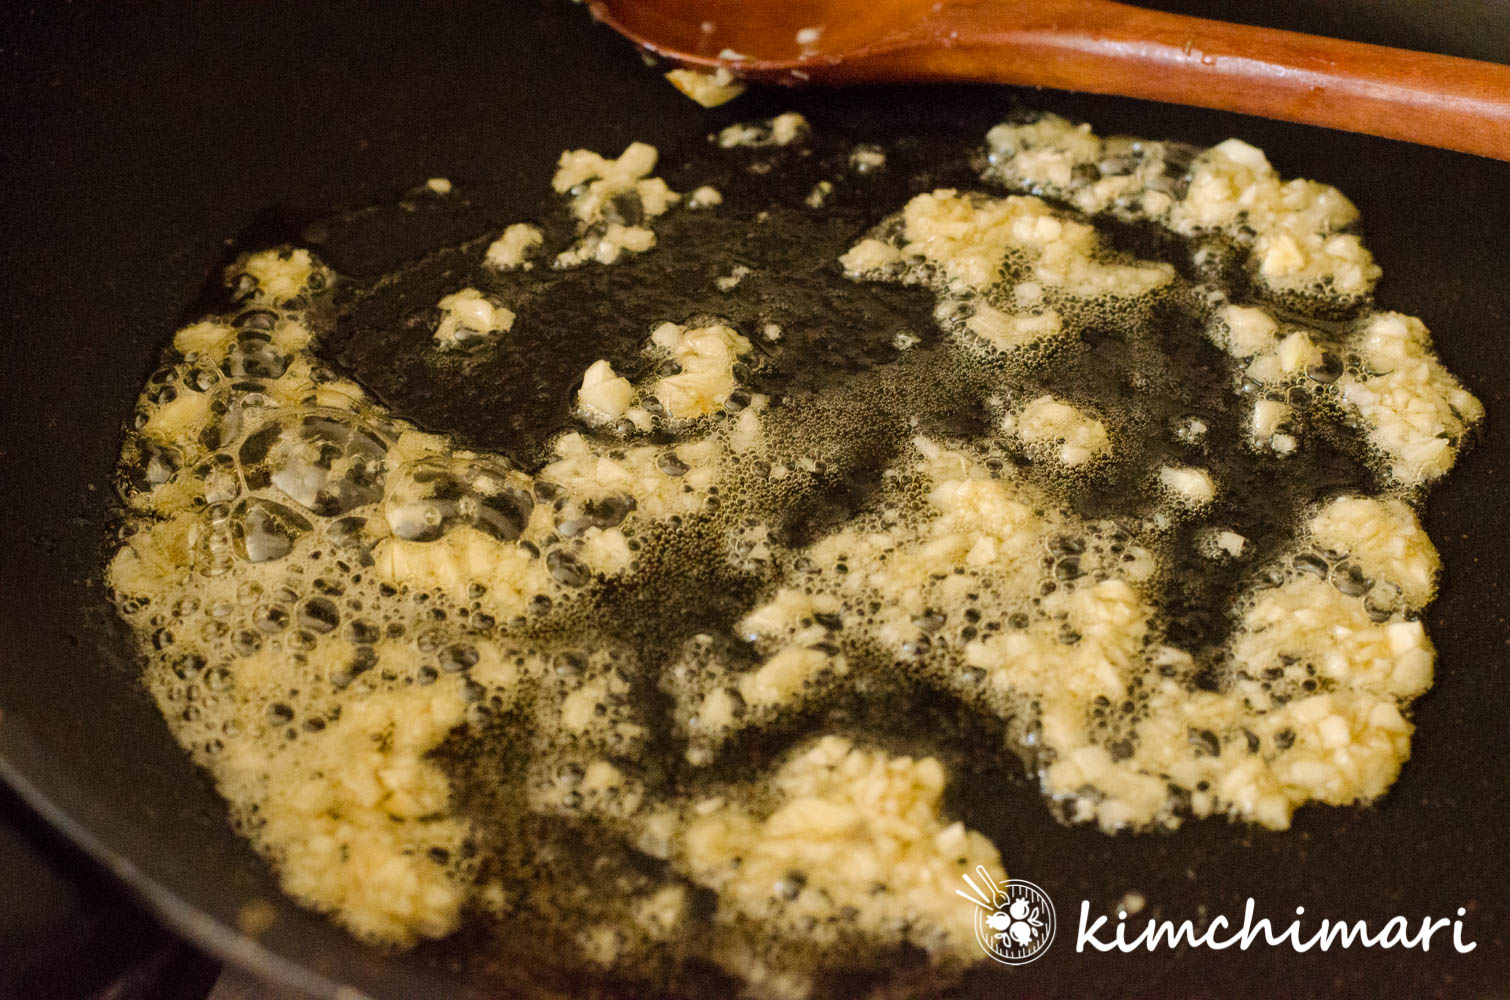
{"points": [[433, 681]]}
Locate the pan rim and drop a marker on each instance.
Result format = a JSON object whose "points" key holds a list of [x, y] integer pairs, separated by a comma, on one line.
{"points": [[183, 917]]}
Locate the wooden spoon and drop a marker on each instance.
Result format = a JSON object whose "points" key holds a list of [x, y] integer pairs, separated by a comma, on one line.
{"points": [[1091, 45]]}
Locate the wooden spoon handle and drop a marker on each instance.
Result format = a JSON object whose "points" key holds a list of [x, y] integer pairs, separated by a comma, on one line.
{"points": [[1113, 48]]}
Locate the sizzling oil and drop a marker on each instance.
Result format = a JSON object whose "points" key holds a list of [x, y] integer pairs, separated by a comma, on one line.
{"points": [[452, 650]]}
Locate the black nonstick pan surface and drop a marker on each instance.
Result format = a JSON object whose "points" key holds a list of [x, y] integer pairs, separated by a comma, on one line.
{"points": [[141, 141]]}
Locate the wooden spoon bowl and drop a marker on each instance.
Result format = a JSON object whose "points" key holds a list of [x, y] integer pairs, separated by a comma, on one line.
{"points": [[1090, 45]]}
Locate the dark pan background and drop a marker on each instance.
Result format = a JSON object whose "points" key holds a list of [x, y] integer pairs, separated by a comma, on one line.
{"points": [[138, 140]]}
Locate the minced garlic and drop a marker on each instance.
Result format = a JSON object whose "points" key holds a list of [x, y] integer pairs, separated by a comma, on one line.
{"points": [[708, 89], [469, 318], [343, 617]]}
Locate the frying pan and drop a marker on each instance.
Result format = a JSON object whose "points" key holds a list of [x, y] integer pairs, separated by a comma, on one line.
{"points": [[140, 139]]}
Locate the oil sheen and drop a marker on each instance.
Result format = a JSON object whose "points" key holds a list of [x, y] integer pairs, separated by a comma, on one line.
{"points": [[585, 580]]}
